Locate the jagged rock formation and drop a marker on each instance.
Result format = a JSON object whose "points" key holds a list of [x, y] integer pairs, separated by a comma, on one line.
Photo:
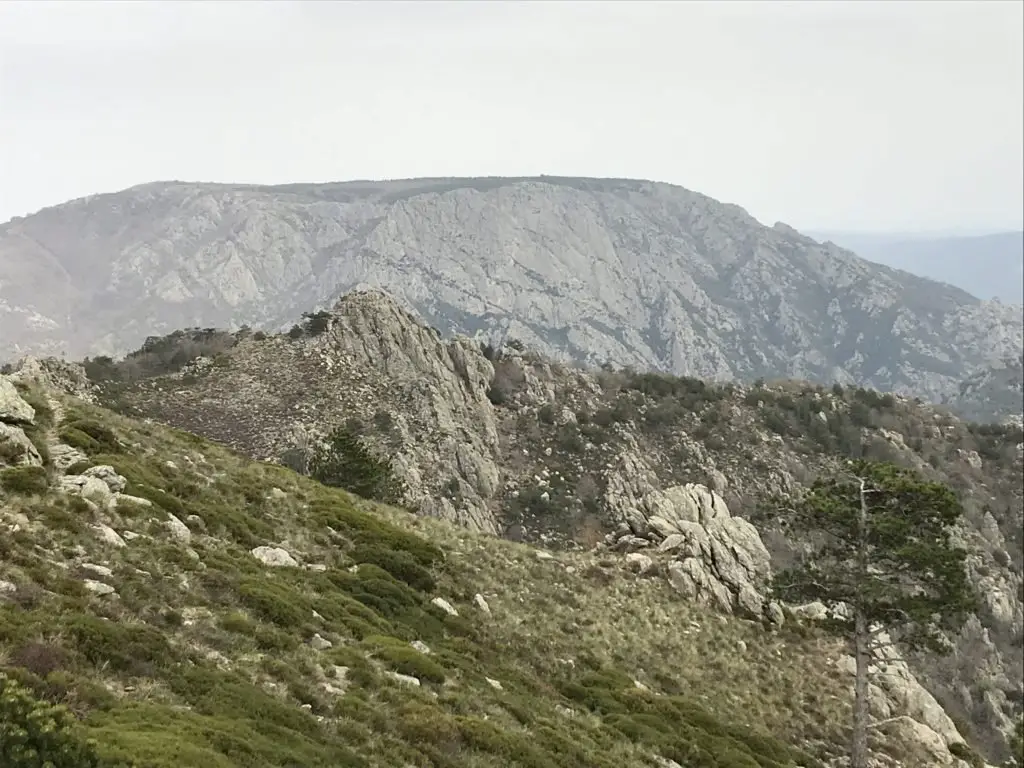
{"points": [[670, 469], [716, 559], [637, 273]]}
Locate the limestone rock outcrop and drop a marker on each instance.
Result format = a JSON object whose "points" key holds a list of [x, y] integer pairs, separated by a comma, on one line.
{"points": [[714, 557]]}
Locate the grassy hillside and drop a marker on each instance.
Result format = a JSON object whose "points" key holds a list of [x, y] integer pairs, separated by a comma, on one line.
{"points": [[560, 456], [151, 619]]}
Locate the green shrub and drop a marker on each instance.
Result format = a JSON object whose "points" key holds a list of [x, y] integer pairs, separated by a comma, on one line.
{"points": [[64, 514], [404, 659], [316, 322], [364, 529], [24, 480], [124, 647], [274, 603], [90, 437], [34, 734], [267, 638], [399, 563], [968, 755], [340, 608]]}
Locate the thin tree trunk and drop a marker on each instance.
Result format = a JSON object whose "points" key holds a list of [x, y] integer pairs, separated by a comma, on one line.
{"points": [[859, 744], [861, 647]]}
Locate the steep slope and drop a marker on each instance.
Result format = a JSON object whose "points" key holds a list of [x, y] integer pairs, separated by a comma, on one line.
{"points": [[987, 266], [633, 272], [996, 389], [193, 608], [506, 441]]}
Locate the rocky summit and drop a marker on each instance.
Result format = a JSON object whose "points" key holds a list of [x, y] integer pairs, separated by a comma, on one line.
{"points": [[649, 478], [587, 270]]}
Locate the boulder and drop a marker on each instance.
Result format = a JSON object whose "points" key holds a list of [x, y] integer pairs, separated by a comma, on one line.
{"points": [[16, 450], [13, 409], [274, 557], [115, 482], [91, 488]]}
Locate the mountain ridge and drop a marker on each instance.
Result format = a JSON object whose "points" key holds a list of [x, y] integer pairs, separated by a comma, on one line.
{"points": [[989, 266], [591, 270]]}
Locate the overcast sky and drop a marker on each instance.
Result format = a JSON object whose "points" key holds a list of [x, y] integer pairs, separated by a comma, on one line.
{"points": [[825, 115]]}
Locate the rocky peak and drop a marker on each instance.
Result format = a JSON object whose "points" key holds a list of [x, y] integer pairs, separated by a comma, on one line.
{"points": [[587, 270]]}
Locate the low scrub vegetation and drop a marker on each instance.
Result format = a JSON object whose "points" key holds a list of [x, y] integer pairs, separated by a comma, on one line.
{"points": [[371, 647]]}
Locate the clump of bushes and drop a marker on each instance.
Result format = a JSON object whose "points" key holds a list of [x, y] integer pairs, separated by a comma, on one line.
{"points": [[404, 659], [26, 481], [508, 379], [274, 603], [34, 733], [90, 437], [366, 530], [679, 729], [399, 563], [123, 647], [160, 355]]}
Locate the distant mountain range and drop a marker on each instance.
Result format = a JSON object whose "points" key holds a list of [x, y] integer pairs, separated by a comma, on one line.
{"points": [[632, 272], [987, 266]]}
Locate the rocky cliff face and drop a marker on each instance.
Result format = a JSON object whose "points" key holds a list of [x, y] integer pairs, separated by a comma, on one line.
{"points": [[637, 273], [997, 390], [663, 471]]}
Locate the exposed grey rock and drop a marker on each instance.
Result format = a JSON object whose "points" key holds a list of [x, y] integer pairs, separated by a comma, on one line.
{"points": [[993, 393], [275, 557], [55, 374], [16, 449], [109, 535], [718, 558], [13, 409], [98, 587], [319, 643], [178, 530], [445, 606], [115, 482], [124, 498], [100, 570], [639, 273], [91, 488], [481, 603], [407, 679], [64, 456], [639, 563]]}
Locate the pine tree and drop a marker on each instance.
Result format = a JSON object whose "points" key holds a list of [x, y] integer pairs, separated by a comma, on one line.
{"points": [[344, 462], [878, 540]]}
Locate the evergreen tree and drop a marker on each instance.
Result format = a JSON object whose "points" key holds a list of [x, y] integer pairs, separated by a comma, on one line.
{"points": [[878, 539], [344, 462]]}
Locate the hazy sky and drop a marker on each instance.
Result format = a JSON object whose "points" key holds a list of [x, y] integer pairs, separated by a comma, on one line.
{"points": [[826, 115]]}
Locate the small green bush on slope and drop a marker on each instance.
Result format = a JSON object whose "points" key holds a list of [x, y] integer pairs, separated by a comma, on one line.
{"points": [[37, 734], [204, 656]]}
